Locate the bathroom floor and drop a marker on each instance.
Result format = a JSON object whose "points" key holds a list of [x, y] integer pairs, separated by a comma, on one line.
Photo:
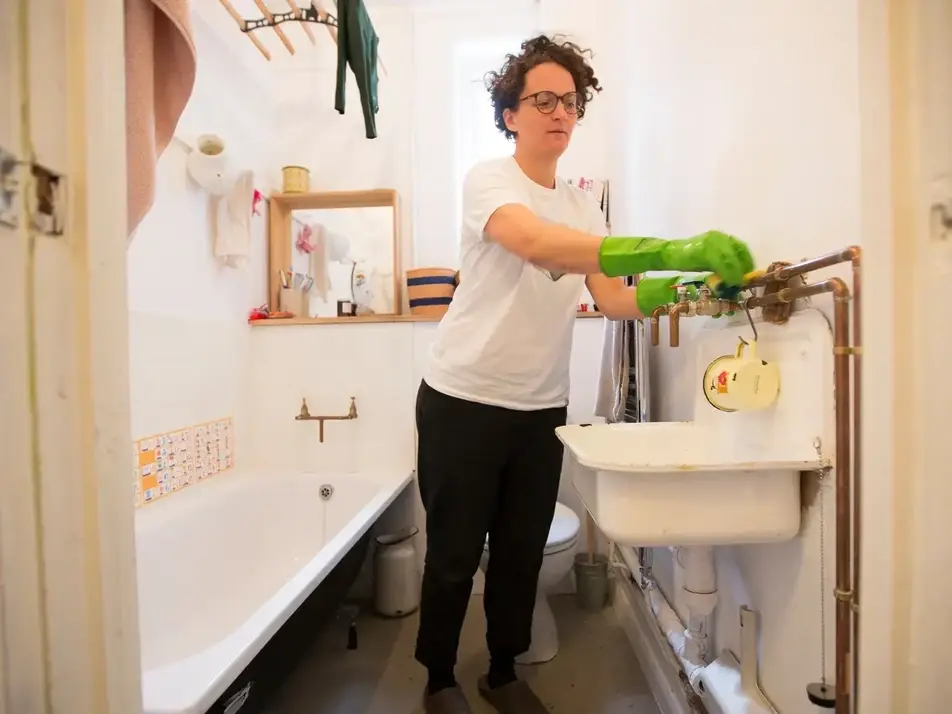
{"points": [[596, 671]]}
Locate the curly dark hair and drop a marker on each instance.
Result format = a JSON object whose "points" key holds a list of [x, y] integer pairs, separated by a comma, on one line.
{"points": [[506, 86]]}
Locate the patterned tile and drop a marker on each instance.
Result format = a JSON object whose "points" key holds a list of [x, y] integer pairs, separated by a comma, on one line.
{"points": [[166, 463]]}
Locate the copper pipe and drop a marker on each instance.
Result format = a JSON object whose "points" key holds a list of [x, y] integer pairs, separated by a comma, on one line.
{"points": [[857, 351], [841, 379], [853, 255], [674, 322], [807, 266], [655, 324]]}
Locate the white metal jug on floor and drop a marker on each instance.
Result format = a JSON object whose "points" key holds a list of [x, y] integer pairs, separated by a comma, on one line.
{"points": [[396, 574]]}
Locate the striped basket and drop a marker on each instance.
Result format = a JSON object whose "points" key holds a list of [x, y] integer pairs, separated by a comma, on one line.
{"points": [[430, 290]]}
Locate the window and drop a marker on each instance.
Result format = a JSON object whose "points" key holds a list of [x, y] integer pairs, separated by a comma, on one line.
{"points": [[477, 138]]}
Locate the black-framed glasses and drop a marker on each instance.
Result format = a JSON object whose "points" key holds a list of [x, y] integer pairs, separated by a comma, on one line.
{"points": [[546, 101]]}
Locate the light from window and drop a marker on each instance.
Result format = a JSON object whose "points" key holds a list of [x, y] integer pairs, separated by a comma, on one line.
{"points": [[477, 138]]}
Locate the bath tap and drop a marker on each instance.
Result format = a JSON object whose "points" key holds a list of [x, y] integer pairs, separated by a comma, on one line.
{"points": [[305, 415], [705, 305]]}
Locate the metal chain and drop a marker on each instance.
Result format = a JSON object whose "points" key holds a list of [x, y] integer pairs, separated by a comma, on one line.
{"points": [[822, 487]]}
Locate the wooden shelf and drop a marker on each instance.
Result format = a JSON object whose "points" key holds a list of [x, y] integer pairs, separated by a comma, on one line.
{"points": [[367, 319], [361, 319], [373, 198]]}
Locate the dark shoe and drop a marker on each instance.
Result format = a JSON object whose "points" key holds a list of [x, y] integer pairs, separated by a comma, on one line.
{"points": [[514, 698], [446, 701]]}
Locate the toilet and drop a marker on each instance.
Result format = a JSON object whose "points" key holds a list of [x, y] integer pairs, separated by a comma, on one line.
{"points": [[557, 562]]}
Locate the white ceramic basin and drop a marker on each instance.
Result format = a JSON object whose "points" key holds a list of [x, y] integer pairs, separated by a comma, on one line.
{"points": [[722, 478], [660, 447], [675, 484]]}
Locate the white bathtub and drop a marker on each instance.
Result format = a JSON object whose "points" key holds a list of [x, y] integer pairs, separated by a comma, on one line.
{"points": [[223, 564]]}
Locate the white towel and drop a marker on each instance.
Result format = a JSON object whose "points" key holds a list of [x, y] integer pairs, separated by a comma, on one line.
{"points": [[612, 389], [231, 222], [318, 267]]}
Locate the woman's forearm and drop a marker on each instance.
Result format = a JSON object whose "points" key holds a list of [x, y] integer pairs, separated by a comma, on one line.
{"points": [[549, 245], [565, 250]]}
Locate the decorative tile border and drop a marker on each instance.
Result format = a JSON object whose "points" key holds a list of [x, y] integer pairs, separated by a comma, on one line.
{"points": [[166, 463]]}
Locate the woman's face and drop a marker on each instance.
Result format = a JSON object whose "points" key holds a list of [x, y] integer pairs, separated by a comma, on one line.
{"points": [[546, 115]]}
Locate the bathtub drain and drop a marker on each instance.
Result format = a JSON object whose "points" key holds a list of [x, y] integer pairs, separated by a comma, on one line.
{"points": [[326, 491]]}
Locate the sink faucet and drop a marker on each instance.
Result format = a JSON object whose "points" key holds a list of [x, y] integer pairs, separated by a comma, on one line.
{"points": [[704, 305], [683, 307], [305, 415], [709, 306]]}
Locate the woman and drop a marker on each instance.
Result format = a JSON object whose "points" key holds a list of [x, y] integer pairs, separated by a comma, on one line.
{"points": [[497, 383]]}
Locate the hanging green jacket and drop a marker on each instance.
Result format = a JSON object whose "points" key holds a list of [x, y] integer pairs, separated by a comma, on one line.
{"points": [[357, 44]]}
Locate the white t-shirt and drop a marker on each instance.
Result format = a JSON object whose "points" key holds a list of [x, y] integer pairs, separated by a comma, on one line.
{"points": [[506, 339]]}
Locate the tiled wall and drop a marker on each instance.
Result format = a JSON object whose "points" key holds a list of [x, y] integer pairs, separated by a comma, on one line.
{"points": [[381, 365], [169, 462], [188, 337]]}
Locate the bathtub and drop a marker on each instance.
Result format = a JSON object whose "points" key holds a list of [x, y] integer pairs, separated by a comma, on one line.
{"points": [[225, 563]]}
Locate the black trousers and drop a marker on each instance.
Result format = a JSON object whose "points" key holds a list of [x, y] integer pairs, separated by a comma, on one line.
{"points": [[483, 470]]}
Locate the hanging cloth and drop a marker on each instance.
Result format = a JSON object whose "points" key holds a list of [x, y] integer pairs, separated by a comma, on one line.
{"points": [[357, 44]]}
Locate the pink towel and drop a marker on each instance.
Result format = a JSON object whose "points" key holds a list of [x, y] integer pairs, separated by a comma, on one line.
{"points": [[160, 75]]}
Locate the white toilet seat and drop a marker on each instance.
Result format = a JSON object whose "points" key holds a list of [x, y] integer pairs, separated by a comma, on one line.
{"points": [[563, 533]]}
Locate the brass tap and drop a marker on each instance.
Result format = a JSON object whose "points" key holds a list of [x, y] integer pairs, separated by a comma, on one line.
{"points": [[674, 320], [708, 306], [705, 305], [305, 415], [655, 323]]}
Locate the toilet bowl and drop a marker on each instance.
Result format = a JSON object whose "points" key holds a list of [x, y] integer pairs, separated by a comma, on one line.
{"points": [[557, 562]]}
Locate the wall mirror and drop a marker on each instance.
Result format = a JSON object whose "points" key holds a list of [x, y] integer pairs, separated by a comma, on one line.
{"points": [[335, 255]]}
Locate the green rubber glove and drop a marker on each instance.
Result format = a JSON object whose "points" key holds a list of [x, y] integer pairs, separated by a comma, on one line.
{"points": [[653, 292], [717, 252]]}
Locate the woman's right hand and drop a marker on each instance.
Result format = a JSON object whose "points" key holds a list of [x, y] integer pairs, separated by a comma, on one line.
{"points": [[724, 255], [720, 253]]}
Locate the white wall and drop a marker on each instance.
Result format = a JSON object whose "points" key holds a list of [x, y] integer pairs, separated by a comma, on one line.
{"points": [[333, 146], [415, 153], [439, 34], [187, 313], [193, 358], [757, 134], [745, 117]]}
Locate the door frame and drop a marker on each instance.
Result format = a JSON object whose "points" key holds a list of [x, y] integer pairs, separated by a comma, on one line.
{"points": [[68, 606], [920, 49], [905, 590], [102, 261], [877, 555], [97, 101]]}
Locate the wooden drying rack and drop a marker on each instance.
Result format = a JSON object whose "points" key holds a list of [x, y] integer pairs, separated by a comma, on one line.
{"points": [[314, 13]]}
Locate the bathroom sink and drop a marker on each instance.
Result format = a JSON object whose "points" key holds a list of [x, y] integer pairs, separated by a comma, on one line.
{"points": [[674, 483], [660, 447], [723, 478]]}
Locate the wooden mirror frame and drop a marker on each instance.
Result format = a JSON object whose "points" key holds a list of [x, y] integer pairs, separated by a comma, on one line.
{"points": [[280, 243]]}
